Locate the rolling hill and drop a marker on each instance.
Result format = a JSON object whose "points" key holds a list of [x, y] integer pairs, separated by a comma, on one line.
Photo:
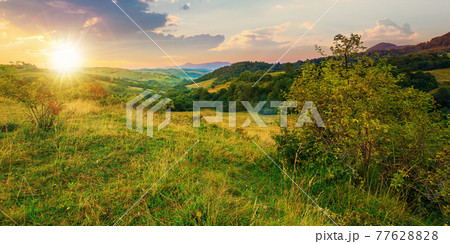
{"points": [[130, 74], [208, 66], [176, 73], [385, 46], [440, 44]]}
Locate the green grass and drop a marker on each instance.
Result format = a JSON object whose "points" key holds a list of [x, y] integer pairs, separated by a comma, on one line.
{"points": [[131, 74], [442, 76], [208, 83], [114, 80], [91, 169], [204, 84], [274, 74], [120, 88], [177, 73]]}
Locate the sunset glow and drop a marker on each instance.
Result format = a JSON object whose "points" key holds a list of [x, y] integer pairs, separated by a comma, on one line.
{"points": [[65, 58], [201, 31]]}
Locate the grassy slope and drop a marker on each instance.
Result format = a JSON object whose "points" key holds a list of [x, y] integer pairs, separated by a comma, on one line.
{"points": [[208, 83], [130, 74], [204, 84], [134, 84], [92, 169], [193, 73], [442, 75]]}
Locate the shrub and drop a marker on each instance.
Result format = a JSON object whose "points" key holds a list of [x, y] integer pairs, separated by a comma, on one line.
{"points": [[43, 106], [420, 81], [113, 99], [442, 97], [376, 130], [92, 91]]}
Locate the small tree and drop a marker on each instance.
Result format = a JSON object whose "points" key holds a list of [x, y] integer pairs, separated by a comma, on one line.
{"points": [[346, 47], [42, 105]]}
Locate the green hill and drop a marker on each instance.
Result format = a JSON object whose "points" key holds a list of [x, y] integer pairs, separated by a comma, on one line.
{"points": [[132, 74], [177, 73]]}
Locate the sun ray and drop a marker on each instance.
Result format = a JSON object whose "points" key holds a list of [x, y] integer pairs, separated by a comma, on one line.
{"points": [[65, 60]]}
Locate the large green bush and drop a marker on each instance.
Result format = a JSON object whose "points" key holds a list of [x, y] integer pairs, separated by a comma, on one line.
{"points": [[378, 132]]}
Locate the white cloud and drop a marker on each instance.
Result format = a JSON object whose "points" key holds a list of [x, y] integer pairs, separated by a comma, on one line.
{"points": [[388, 30], [3, 23], [306, 25], [172, 20], [66, 7], [296, 5], [197, 42], [91, 21], [260, 37]]}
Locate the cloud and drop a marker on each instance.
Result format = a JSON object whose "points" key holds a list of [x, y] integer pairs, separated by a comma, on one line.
{"points": [[3, 24], [33, 26], [187, 6], [66, 7], [38, 42], [91, 21], [172, 20], [199, 42], [70, 16], [260, 37], [108, 23], [388, 30], [306, 25], [280, 6]]}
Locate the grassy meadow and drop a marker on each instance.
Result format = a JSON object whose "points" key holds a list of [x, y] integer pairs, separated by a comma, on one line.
{"points": [[67, 158], [90, 169], [442, 76]]}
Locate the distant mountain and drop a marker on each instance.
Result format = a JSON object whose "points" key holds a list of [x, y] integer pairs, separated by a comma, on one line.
{"points": [[436, 45], [439, 44], [208, 66], [385, 46], [177, 73]]}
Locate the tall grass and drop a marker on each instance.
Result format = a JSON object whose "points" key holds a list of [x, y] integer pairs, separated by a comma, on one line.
{"points": [[91, 169]]}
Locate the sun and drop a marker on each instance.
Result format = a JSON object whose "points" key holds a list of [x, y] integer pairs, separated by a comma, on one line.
{"points": [[65, 58]]}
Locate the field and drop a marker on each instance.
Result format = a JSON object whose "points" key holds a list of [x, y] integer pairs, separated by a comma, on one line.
{"points": [[442, 75], [122, 82], [177, 73], [208, 84], [203, 84], [89, 170], [130, 74]]}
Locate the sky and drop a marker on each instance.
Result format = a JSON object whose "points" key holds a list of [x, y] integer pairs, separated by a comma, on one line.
{"points": [[200, 31]]}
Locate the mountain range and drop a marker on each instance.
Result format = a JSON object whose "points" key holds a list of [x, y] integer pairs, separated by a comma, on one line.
{"points": [[208, 66], [439, 44], [386, 46]]}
